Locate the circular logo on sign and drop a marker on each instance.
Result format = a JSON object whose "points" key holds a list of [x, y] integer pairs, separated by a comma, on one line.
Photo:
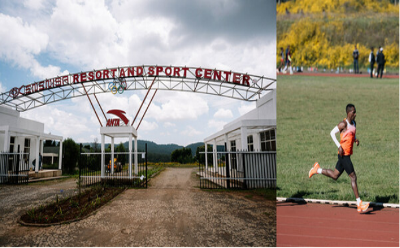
{"points": [[14, 92]]}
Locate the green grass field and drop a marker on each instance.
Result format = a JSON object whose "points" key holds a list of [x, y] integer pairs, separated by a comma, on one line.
{"points": [[308, 108]]}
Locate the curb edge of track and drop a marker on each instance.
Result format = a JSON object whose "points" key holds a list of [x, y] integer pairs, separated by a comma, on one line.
{"points": [[332, 202]]}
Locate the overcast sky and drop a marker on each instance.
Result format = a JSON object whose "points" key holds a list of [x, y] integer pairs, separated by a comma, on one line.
{"points": [[42, 39]]}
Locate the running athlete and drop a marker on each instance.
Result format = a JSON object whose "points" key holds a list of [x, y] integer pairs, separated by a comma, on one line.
{"points": [[347, 129]]}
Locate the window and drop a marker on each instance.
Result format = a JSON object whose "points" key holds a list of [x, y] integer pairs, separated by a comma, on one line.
{"points": [[250, 145], [27, 148], [233, 156], [12, 142], [268, 140], [233, 145]]}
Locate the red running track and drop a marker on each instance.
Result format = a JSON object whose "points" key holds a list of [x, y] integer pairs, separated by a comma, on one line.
{"points": [[312, 224]]}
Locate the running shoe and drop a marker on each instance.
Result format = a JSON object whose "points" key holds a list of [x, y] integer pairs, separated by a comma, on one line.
{"points": [[362, 207], [313, 170]]}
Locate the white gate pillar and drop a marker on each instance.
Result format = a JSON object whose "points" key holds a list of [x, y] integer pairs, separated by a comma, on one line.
{"points": [[243, 135], [36, 152], [60, 154], [130, 155], [6, 141], [136, 157], [112, 155], [102, 156], [205, 150], [228, 157], [215, 157]]}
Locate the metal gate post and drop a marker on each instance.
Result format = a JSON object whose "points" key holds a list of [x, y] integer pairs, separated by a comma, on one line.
{"points": [[17, 168], [145, 149], [244, 170], [228, 182]]}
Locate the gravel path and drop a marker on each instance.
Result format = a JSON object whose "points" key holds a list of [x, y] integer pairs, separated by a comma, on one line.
{"points": [[173, 211]]}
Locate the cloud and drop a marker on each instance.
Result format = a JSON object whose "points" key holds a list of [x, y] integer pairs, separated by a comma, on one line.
{"points": [[217, 125], [147, 126], [190, 132], [2, 88], [177, 106], [22, 43], [169, 124], [223, 113], [246, 107], [59, 122], [34, 4]]}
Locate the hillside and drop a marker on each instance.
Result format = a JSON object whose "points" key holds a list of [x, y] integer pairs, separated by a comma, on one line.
{"points": [[323, 33], [156, 152]]}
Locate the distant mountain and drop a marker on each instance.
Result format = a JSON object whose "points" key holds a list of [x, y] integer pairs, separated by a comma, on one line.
{"points": [[156, 152]]}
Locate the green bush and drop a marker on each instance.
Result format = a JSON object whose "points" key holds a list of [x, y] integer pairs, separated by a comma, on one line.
{"points": [[71, 155]]}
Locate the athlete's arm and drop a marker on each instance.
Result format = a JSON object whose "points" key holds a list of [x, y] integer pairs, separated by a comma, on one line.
{"points": [[334, 131], [341, 126]]}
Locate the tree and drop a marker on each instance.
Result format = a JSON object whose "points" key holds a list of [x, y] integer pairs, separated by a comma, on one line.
{"points": [[121, 157], [200, 157], [183, 156], [71, 155]]}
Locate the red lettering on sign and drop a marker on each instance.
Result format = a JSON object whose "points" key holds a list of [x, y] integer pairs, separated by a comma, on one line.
{"points": [[185, 69], [83, 77], [113, 72], [246, 79], [122, 73], [168, 71], [75, 78], [207, 73], [41, 85], [50, 83], [98, 74], [227, 74], [151, 70], [158, 70], [236, 78], [58, 81], [198, 70], [217, 75], [176, 72], [65, 80], [131, 71], [139, 71], [105, 74], [91, 76]]}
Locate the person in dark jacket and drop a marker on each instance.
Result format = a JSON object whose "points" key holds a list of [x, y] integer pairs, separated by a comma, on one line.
{"points": [[371, 60], [381, 62], [355, 57]]}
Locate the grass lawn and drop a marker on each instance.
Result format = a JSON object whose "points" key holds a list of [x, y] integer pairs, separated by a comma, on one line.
{"points": [[308, 108]]}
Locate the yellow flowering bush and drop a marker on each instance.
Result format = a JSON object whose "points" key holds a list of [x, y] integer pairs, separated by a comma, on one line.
{"points": [[327, 40]]}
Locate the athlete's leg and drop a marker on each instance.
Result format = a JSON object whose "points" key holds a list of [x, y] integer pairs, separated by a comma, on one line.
{"points": [[332, 174], [353, 178]]}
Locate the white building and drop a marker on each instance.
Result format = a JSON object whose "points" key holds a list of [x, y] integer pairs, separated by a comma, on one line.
{"points": [[250, 144], [27, 134], [254, 131]]}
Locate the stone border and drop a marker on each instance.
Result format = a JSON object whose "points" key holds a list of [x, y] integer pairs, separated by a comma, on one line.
{"points": [[332, 202], [67, 221]]}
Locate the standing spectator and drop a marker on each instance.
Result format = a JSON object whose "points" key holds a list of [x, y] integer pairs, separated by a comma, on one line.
{"points": [[282, 59], [355, 56], [381, 62], [288, 59], [371, 60], [376, 60]]}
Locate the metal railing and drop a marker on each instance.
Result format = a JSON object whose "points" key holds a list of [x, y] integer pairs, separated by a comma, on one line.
{"points": [[14, 169], [239, 170], [120, 175]]}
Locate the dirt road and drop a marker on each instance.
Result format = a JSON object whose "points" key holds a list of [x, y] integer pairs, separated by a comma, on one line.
{"points": [[173, 211]]}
